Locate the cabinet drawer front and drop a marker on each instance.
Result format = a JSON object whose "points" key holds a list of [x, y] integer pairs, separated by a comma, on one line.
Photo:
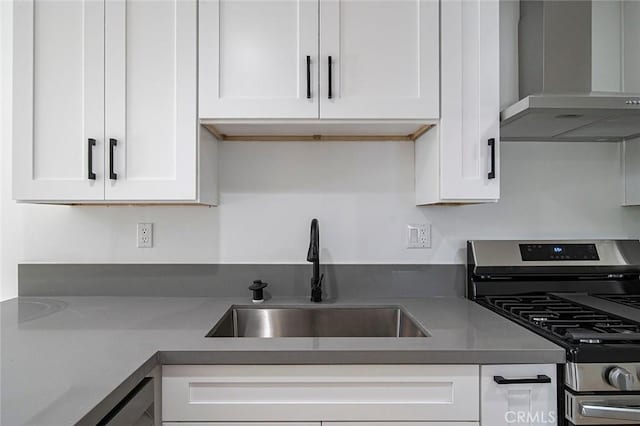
{"points": [[525, 403], [320, 392]]}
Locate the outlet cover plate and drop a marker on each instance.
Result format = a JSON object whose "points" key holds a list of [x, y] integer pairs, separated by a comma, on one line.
{"points": [[145, 235], [418, 235]]}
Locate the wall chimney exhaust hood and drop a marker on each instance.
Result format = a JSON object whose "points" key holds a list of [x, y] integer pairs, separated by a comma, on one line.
{"points": [[564, 52]]}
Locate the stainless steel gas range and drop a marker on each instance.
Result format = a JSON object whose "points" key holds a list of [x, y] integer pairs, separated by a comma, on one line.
{"points": [[583, 296]]}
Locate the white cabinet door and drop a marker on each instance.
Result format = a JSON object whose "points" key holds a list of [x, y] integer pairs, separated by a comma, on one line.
{"points": [[324, 424], [512, 403], [400, 424], [298, 393], [630, 153], [151, 99], [253, 59], [58, 100], [244, 424], [384, 56], [470, 101]]}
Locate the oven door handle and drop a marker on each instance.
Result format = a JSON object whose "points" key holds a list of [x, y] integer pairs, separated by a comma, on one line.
{"points": [[610, 411]]}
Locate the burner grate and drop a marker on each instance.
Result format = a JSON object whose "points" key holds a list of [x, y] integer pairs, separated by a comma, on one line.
{"points": [[567, 320], [627, 299]]}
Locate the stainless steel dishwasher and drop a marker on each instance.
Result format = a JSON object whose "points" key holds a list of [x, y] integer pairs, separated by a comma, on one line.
{"points": [[135, 409]]}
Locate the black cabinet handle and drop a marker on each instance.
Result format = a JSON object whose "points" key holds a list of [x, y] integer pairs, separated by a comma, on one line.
{"points": [[308, 77], [492, 150], [330, 94], [112, 146], [540, 378], [91, 174]]}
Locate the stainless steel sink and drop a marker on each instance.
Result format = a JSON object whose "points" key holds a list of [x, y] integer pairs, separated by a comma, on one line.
{"points": [[249, 321]]}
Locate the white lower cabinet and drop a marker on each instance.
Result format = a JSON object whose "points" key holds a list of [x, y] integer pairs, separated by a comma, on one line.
{"points": [[400, 424], [359, 395], [518, 394], [327, 393], [323, 424], [243, 424]]}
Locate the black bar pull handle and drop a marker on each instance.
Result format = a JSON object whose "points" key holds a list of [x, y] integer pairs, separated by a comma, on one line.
{"points": [[540, 378], [329, 91], [112, 147], [308, 77], [492, 152], [91, 174]]}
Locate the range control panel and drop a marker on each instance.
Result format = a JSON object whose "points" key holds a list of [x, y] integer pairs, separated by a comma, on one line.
{"points": [[546, 252]]}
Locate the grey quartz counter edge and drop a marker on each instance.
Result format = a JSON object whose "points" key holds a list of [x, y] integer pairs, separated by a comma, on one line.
{"points": [[363, 357], [112, 399], [317, 357]]}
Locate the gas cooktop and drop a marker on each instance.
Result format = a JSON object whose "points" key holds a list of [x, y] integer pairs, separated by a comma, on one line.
{"points": [[632, 300], [566, 320]]}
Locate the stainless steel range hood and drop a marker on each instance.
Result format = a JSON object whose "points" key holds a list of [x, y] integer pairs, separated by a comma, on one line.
{"points": [[556, 65]]}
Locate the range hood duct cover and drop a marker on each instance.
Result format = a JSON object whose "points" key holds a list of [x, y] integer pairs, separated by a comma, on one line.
{"points": [[558, 102]]}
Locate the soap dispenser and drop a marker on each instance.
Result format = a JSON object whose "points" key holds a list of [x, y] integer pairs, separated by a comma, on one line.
{"points": [[257, 288]]}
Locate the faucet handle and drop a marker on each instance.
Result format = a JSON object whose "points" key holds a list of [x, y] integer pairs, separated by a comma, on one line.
{"points": [[316, 290]]}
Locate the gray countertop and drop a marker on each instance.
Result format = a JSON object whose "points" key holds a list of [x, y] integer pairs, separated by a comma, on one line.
{"points": [[67, 360]]}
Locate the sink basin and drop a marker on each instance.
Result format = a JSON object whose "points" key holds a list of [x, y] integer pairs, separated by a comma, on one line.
{"points": [[249, 321]]}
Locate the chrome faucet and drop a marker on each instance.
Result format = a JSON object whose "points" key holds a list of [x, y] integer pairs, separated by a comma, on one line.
{"points": [[313, 255]]}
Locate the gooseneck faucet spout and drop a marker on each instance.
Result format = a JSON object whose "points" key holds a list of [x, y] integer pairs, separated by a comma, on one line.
{"points": [[313, 256]]}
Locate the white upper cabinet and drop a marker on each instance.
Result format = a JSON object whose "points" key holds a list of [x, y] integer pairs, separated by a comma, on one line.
{"points": [[58, 100], [459, 160], [471, 100], [379, 59], [258, 59], [151, 99], [105, 103], [333, 59]]}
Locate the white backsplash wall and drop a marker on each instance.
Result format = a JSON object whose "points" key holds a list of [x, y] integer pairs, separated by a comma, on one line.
{"points": [[8, 269], [362, 193]]}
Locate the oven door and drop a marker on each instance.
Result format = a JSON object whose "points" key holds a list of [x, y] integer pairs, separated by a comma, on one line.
{"points": [[603, 409]]}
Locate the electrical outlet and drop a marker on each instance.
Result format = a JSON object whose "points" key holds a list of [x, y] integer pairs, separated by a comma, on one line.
{"points": [[145, 235], [419, 235]]}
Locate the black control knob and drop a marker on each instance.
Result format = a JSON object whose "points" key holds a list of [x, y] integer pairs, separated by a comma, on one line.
{"points": [[257, 288]]}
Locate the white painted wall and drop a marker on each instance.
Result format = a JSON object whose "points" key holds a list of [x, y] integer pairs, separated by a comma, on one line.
{"points": [[361, 192], [2, 115], [7, 261]]}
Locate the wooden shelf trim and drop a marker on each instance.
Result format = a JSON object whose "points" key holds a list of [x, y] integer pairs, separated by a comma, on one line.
{"points": [[314, 138]]}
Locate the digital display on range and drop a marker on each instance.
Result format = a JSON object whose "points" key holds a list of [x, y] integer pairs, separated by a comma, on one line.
{"points": [[545, 252]]}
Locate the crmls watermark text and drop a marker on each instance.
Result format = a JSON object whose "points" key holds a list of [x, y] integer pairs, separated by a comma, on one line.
{"points": [[528, 417]]}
